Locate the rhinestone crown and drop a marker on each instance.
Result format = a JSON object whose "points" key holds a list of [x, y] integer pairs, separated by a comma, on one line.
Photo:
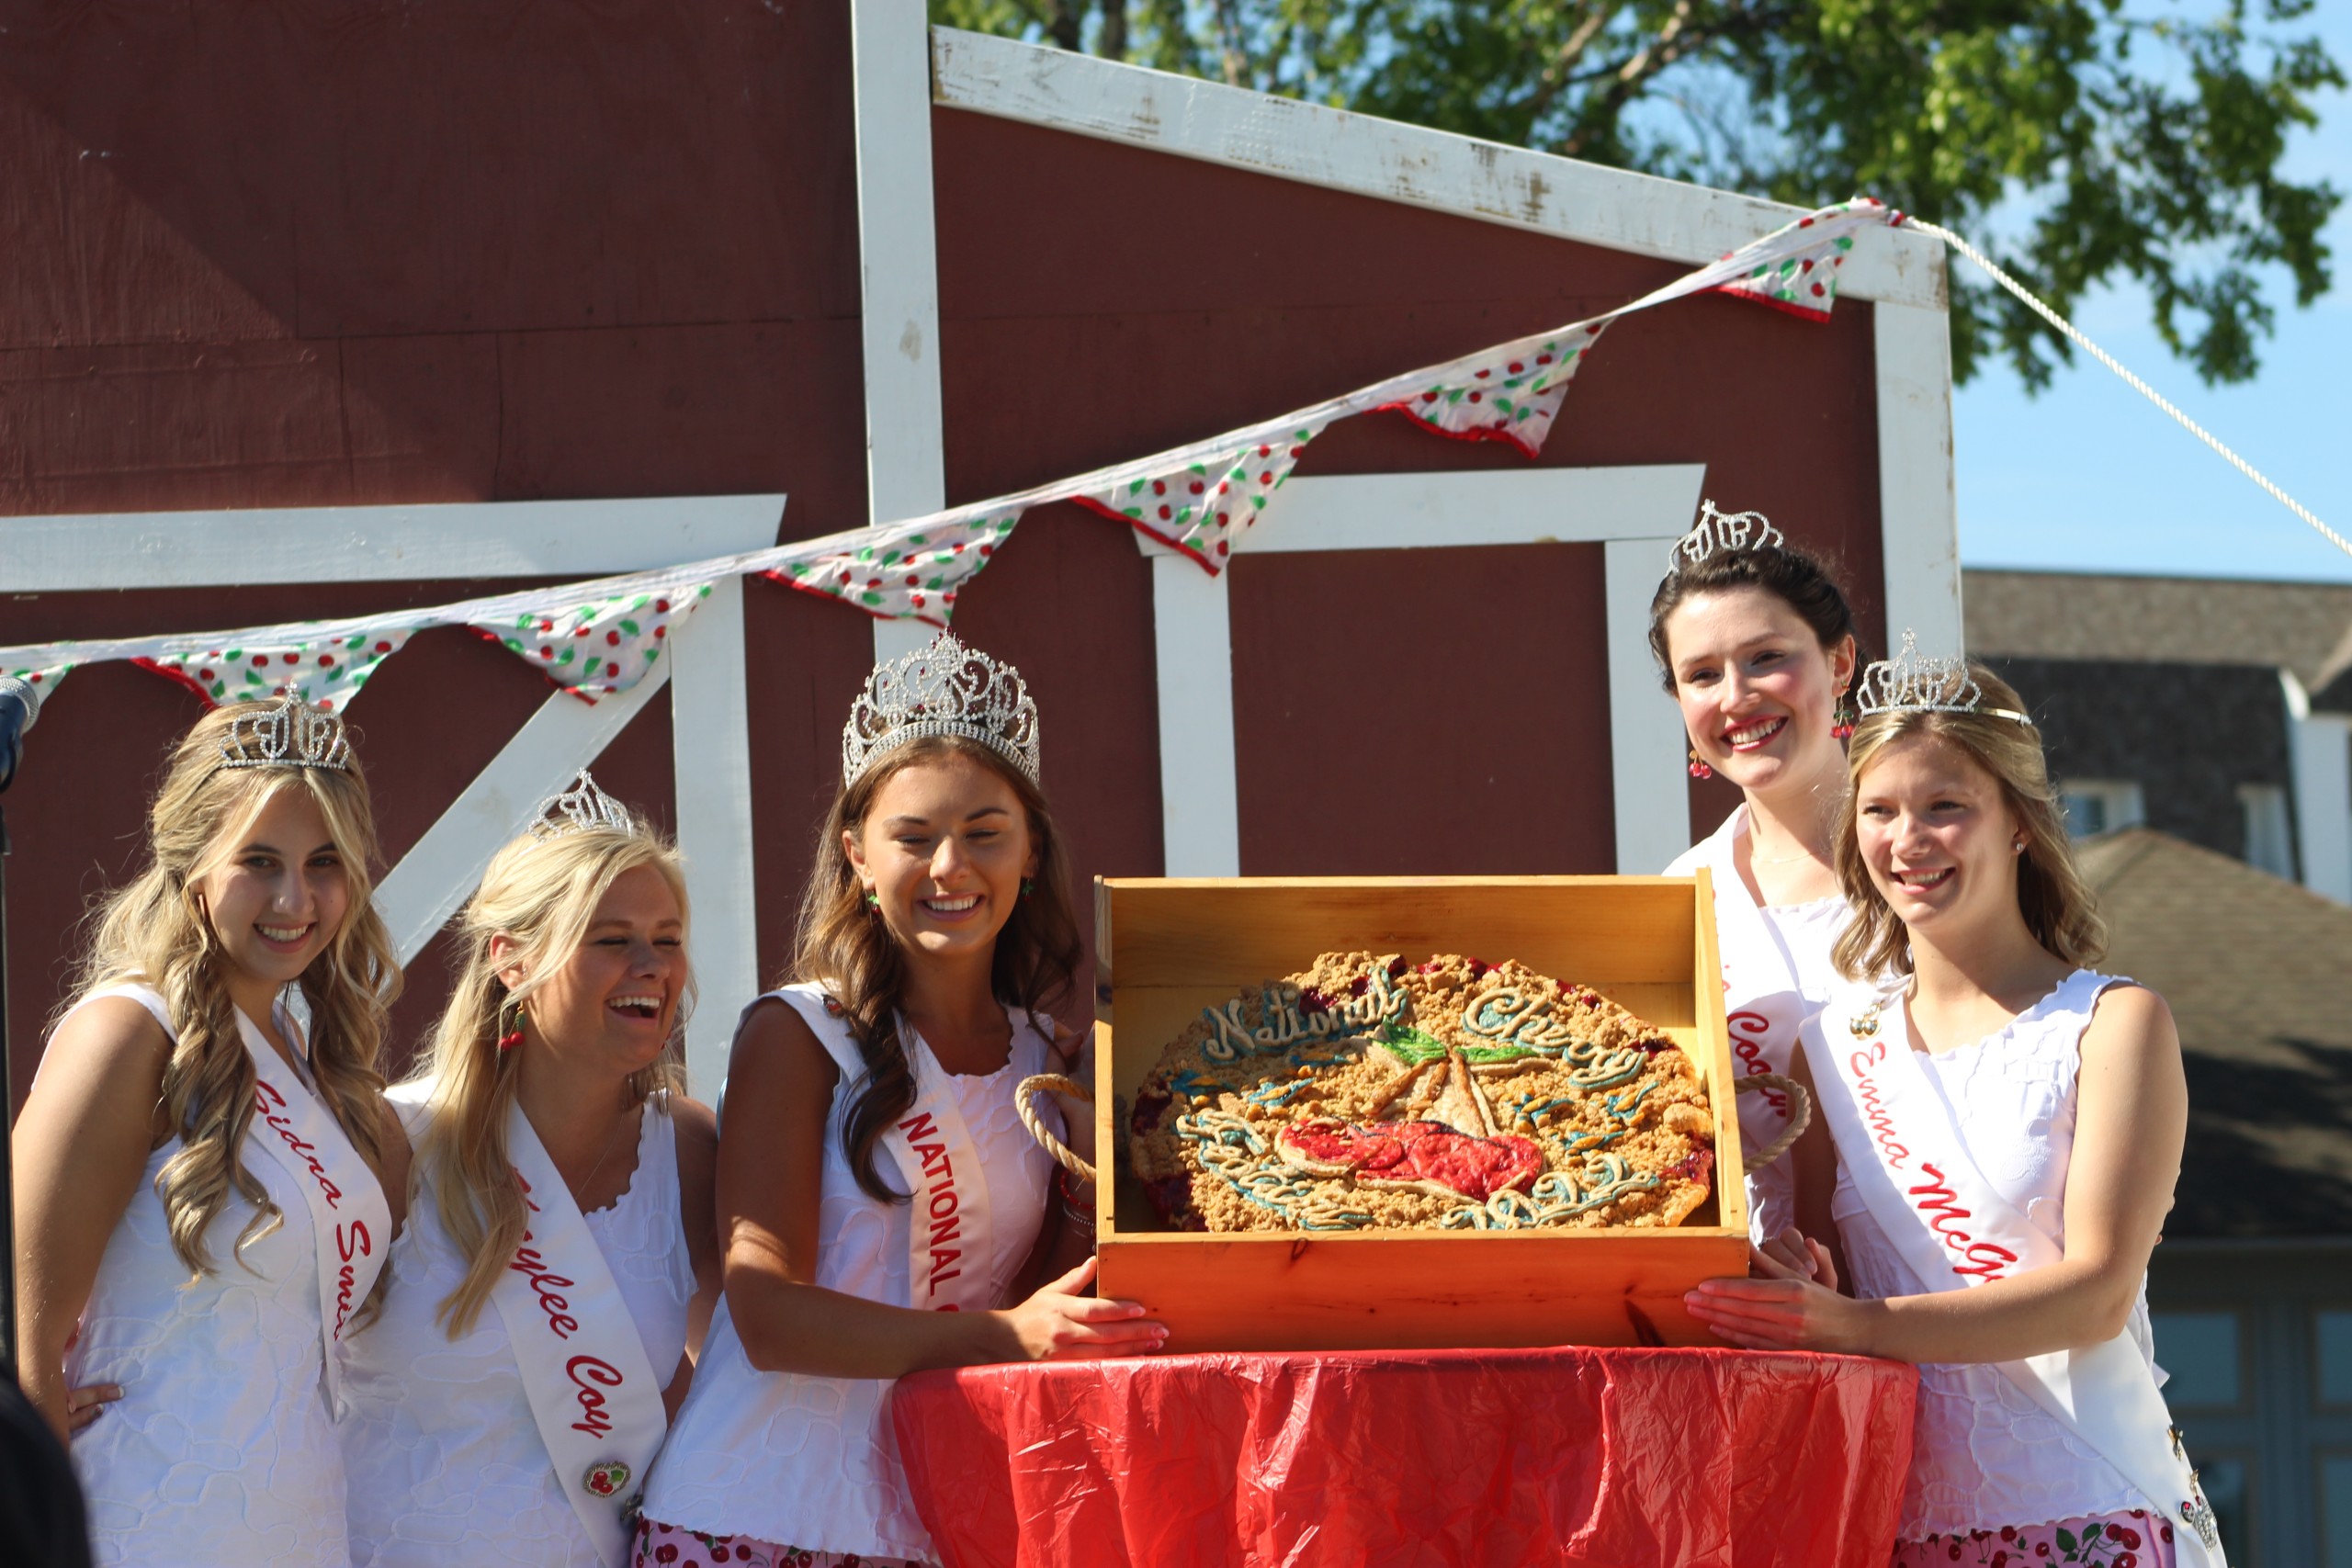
{"points": [[1913, 682], [1718, 533], [582, 808], [290, 733], [943, 688]]}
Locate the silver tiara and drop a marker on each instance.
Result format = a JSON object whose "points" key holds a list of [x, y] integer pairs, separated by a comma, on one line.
{"points": [[942, 689], [1719, 532], [582, 808], [290, 733], [1910, 683]]}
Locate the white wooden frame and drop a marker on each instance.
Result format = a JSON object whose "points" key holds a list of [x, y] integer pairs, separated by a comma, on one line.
{"points": [[1634, 511], [711, 744], [1902, 271]]}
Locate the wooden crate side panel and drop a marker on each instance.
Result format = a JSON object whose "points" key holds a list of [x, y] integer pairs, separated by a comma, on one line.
{"points": [[1710, 1051], [1404, 1290]]}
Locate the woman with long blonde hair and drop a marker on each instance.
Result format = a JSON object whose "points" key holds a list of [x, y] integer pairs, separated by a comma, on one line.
{"points": [[882, 1206], [2008, 1124], [560, 1260], [206, 1189]]}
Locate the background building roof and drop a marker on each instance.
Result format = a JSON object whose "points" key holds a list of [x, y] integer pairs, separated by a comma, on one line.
{"points": [[2303, 627], [2258, 972]]}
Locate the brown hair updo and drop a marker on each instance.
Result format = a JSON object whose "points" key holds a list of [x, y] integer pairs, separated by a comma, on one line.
{"points": [[1790, 573], [2059, 907]]}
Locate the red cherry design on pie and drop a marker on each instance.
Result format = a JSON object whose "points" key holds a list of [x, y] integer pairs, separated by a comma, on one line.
{"points": [[1402, 1153]]}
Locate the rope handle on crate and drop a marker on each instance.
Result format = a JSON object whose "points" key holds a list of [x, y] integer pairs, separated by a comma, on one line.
{"points": [[1800, 1116], [1057, 1084]]}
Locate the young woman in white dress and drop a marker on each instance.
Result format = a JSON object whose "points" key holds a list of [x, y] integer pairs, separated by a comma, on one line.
{"points": [[205, 1191], [1757, 644], [2008, 1124], [560, 1258], [883, 1207]]}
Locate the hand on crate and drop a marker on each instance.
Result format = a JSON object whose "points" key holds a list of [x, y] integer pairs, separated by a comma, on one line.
{"points": [[1782, 1307], [1058, 1324], [1792, 1255]]}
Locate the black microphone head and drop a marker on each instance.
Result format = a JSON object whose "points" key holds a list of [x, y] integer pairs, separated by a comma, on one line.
{"points": [[27, 693]]}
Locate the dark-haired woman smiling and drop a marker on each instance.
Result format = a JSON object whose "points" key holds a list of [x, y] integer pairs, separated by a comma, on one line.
{"points": [[881, 1206]]}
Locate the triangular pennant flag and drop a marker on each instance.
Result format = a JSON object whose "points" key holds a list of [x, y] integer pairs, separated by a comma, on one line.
{"points": [[598, 646], [44, 680], [326, 671], [913, 577], [1197, 507], [1802, 280], [1511, 394]]}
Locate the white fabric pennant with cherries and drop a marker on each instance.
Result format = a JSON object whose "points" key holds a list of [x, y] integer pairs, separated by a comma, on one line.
{"points": [[326, 671], [1511, 393], [913, 573], [599, 647], [1197, 506], [1802, 280]]}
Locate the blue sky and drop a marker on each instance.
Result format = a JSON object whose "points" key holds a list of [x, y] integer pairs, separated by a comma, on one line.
{"points": [[2091, 476]]}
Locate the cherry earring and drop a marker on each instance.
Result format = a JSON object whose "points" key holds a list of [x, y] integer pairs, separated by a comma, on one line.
{"points": [[513, 1037], [1841, 724], [1700, 770], [873, 900], [1028, 885]]}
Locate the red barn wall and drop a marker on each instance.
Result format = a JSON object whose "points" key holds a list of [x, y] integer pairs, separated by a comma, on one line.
{"points": [[267, 257]]}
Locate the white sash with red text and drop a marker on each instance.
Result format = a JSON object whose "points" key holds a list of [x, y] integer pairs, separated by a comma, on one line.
{"points": [[951, 1238], [1908, 1158], [594, 1392], [349, 1217], [1768, 1020]]}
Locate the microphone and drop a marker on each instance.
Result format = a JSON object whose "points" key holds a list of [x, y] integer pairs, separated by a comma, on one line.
{"points": [[19, 709]]}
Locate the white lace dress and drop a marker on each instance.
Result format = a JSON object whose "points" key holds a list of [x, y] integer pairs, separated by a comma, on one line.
{"points": [[221, 1449], [1983, 1454], [446, 1464]]}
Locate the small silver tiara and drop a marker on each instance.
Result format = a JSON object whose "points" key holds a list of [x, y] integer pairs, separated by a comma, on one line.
{"points": [[943, 688], [582, 808], [1719, 532], [290, 733], [1911, 683]]}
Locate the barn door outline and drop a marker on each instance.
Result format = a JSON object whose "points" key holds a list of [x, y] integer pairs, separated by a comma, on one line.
{"points": [[710, 754], [1635, 513]]}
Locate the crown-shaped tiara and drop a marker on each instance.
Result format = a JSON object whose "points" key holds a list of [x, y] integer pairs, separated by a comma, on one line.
{"points": [[582, 808], [1912, 682], [1719, 532], [942, 689], [290, 733]]}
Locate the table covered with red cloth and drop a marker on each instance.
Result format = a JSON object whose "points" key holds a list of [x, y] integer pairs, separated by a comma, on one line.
{"points": [[1616, 1458]]}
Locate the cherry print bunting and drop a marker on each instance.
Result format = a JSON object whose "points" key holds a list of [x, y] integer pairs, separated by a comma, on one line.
{"points": [[326, 671], [1803, 281], [1511, 393], [1198, 506], [915, 574], [599, 647]]}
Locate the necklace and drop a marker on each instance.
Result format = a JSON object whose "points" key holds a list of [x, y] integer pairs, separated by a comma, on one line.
{"points": [[582, 1186]]}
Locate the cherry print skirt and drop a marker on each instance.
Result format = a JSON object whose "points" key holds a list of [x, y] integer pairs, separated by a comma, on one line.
{"points": [[668, 1546], [2136, 1539]]}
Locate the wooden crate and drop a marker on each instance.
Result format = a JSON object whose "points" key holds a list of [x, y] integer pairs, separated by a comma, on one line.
{"points": [[1169, 948]]}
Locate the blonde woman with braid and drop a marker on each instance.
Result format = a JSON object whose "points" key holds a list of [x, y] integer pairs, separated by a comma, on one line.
{"points": [[2008, 1124], [560, 1259], [884, 1210], [206, 1191]]}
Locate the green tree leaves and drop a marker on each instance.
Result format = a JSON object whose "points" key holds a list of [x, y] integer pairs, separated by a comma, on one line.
{"points": [[2080, 141]]}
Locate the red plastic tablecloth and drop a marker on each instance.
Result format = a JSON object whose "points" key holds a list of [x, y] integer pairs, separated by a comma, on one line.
{"points": [[1615, 1459]]}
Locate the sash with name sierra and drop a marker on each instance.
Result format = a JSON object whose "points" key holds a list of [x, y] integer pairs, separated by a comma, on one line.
{"points": [[351, 1223], [1910, 1163], [595, 1395]]}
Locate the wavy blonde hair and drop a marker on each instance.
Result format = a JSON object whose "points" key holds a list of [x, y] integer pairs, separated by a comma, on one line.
{"points": [[2059, 907], [541, 893], [154, 932]]}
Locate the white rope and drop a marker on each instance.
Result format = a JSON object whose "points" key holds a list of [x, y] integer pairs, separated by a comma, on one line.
{"points": [[2088, 346]]}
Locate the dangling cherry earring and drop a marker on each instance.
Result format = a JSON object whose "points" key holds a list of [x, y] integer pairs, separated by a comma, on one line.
{"points": [[1841, 724], [513, 1037], [1700, 770]]}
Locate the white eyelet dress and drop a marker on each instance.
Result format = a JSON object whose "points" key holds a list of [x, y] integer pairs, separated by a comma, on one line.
{"points": [[445, 1462], [221, 1449], [1983, 1454], [1777, 978], [809, 1462]]}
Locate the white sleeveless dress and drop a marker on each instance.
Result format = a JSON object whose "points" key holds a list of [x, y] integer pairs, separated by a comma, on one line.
{"points": [[221, 1449], [1983, 1454], [1777, 978], [445, 1465], [811, 1461]]}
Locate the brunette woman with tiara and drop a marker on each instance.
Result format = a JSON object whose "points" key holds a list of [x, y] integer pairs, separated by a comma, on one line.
{"points": [[559, 1259], [1756, 644], [2008, 1124], [882, 1207], [206, 1190]]}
